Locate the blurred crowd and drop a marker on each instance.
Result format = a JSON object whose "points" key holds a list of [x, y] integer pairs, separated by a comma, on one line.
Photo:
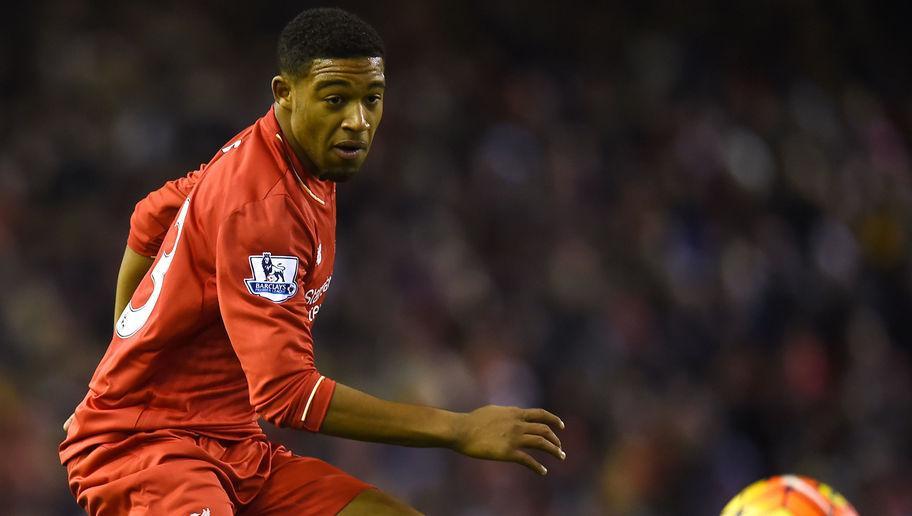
{"points": [[684, 227]]}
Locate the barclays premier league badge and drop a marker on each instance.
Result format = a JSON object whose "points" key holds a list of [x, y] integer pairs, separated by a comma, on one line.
{"points": [[273, 276]]}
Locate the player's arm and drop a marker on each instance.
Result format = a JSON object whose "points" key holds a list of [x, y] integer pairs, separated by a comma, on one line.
{"points": [[269, 333], [275, 350], [491, 432], [153, 215], [133, 268], [151, 219]]}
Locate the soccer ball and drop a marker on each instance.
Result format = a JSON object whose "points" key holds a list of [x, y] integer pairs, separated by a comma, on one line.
{"points": [[789, 495]]}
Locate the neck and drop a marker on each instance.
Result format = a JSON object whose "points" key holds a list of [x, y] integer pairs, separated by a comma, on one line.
{"points": [[284, 119]]}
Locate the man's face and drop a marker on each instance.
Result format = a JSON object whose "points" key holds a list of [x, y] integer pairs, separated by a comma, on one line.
{"points": [[333, 113]]}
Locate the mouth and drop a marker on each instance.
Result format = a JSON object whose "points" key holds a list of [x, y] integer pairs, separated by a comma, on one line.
{"points": [[350, 149]]}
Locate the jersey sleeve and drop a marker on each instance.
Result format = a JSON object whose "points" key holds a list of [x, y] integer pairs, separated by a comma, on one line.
{"points": [[266, 319], [153, 215]]}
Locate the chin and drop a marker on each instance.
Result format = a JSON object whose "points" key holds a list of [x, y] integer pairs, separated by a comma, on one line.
{"points": [[338, 175]]}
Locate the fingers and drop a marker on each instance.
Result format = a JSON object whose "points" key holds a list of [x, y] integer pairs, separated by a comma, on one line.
{"points": [[544, 431], [538, 415], [537, 442], [525, 459]]}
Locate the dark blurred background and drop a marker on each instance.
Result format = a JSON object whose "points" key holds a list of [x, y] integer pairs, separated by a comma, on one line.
{"points": [[681, 226]]}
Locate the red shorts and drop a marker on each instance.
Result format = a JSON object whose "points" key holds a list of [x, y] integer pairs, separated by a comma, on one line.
{"points": [[171, 472]]}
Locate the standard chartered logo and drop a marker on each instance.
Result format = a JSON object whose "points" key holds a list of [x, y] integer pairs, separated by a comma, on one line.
{"points": [[132, 319], [313, 295]]}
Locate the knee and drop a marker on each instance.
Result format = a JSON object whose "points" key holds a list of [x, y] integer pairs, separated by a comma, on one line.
{"points": [[374, 502]]}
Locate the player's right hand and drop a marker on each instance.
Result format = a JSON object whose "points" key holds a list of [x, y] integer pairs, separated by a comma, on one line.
{"points": [[503, 433]]}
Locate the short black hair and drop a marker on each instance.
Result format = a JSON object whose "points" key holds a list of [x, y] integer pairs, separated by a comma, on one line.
{"points": [[325, 32]]}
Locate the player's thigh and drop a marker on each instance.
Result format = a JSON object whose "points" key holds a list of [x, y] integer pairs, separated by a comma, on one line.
{"points": [[377, 503], [304, 486], [112, 482], [178, 487]]}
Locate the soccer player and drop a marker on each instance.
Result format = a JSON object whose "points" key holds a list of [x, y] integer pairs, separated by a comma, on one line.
{"points": [[223, 276]]}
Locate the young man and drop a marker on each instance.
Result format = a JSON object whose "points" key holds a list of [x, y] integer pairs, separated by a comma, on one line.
{"points": [[209, 336]]}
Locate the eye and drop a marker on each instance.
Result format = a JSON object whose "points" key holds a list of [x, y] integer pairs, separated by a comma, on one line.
{"points": [[333, 100], [373, 99]]}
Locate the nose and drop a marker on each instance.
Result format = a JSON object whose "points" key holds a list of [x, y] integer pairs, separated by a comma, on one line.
{"points": [[356, 119]]}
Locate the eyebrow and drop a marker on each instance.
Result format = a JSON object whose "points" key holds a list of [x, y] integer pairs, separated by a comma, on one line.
{"points": [[331, 82], [341, 82]]}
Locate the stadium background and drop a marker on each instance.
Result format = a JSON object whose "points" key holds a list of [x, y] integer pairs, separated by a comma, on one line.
{"points": [[682, 226]]}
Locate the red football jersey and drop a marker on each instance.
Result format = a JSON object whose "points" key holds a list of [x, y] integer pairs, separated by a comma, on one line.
{"points": [[219, 330]]}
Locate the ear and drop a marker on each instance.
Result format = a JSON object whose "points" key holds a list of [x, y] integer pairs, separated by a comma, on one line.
{"points": [[281, 91]]}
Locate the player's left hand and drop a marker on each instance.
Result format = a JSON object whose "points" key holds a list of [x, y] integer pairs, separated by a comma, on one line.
{"points": [[503, 433]]}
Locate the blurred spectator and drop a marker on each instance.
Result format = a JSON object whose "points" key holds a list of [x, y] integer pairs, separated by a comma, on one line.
{"points": [[684, 227]]}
